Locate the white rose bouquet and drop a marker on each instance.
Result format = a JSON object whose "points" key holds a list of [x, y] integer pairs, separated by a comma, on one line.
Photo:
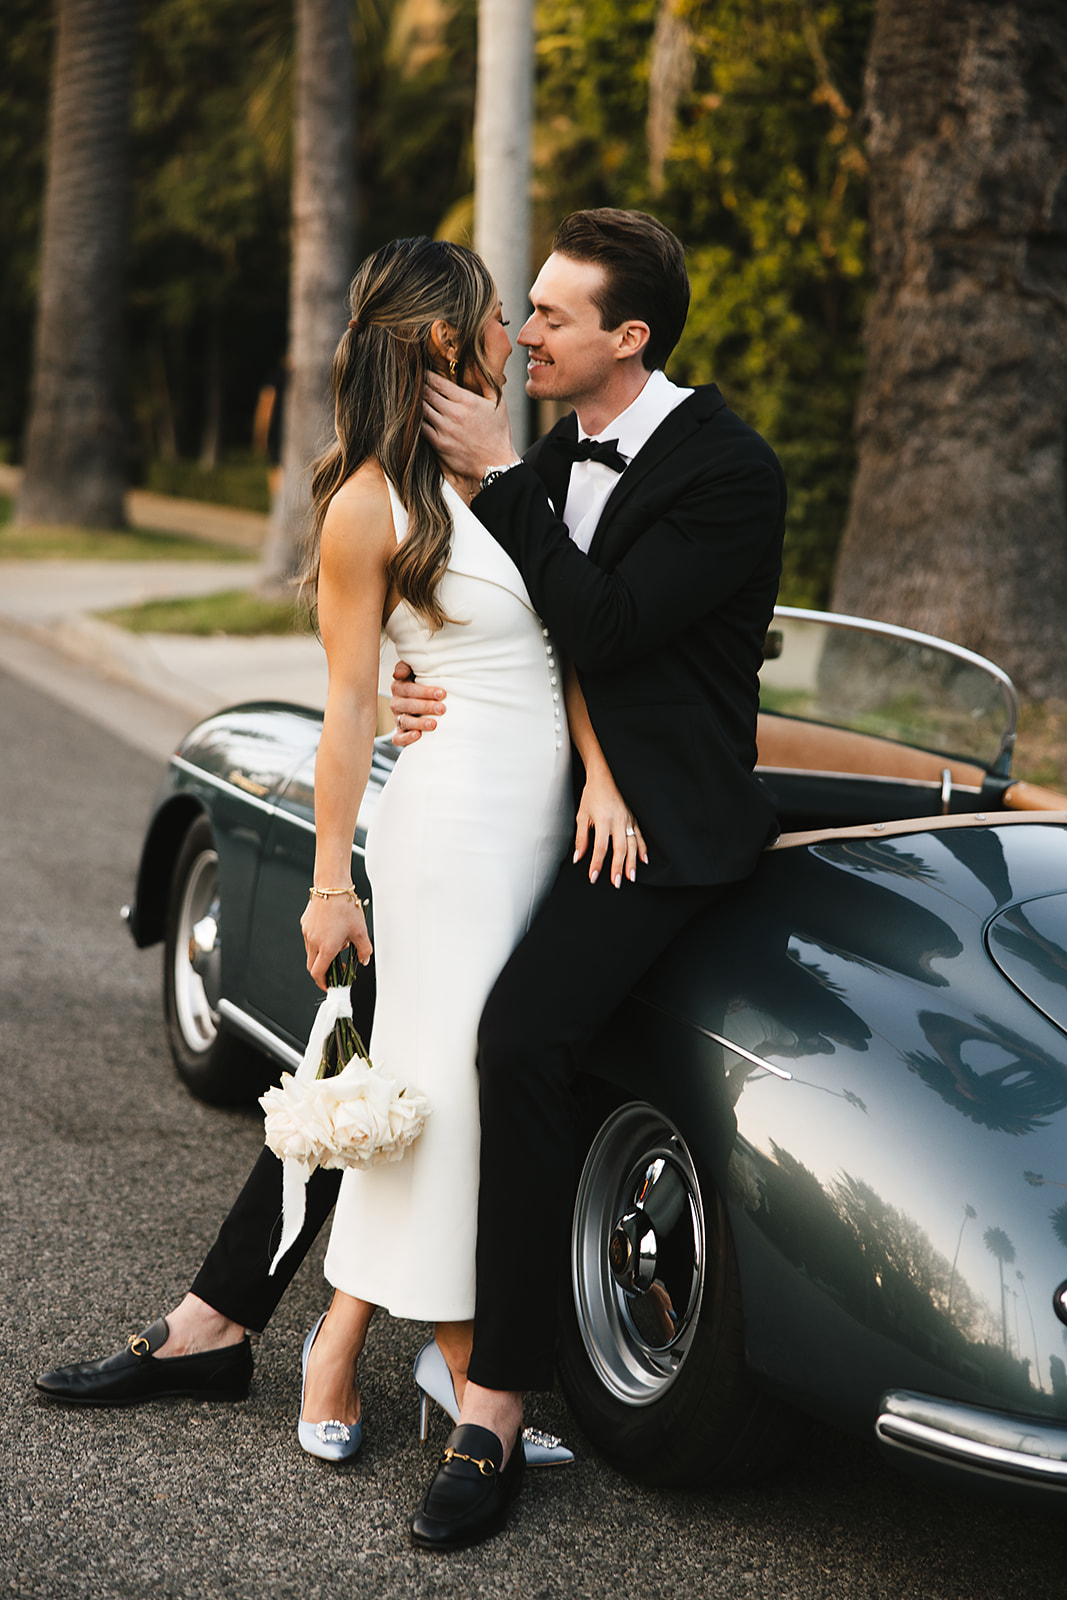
{"points": [[336, 1110]]}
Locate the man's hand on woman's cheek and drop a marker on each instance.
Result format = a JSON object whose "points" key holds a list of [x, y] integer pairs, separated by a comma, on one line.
{"points": [[469, 431]]}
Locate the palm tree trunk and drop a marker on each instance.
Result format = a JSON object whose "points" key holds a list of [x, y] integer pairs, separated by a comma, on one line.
{"points": [[75, 446], [958, 522], [670, 77], [322, 233], [502, 127]]}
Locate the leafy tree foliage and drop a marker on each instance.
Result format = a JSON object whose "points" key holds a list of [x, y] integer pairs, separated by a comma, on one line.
{"points": [[208, 279], [763, 178], [734, 120], [211, 210]]}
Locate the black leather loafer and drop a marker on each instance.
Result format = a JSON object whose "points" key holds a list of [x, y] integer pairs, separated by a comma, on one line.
{"points": [[136, 1374], [469, 1495]]}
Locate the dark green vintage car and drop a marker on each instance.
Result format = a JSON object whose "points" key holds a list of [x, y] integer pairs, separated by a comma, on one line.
{"points": [[826, 1137]]}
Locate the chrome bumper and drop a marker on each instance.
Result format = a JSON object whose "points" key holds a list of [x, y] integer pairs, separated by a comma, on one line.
{"points": [[1023, 1450]]}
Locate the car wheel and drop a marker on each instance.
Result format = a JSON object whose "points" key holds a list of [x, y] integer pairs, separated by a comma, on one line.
{"points": [[215, 1065], [652, 1339]]}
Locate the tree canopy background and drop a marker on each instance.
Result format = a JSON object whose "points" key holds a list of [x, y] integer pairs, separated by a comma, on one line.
{"points": [[735, 121]]}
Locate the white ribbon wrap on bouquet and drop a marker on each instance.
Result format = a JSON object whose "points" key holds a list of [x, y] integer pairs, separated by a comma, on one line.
{"points": [[358, 1118]]}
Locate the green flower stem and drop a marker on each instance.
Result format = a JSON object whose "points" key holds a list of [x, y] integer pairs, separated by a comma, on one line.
{"points": [[344, 1042]]}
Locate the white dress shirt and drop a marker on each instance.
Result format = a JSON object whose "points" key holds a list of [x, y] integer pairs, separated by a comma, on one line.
{"points": [[591, 481]]}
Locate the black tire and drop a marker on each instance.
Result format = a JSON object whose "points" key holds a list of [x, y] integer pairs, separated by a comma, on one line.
{"points": [[216, 1065], [652, 1336]]}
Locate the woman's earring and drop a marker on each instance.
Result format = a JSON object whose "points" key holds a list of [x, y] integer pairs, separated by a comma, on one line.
{"points": [[452, 368]]}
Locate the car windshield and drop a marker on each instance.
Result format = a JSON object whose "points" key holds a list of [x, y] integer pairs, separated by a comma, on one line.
{"points": [[889, 682]]}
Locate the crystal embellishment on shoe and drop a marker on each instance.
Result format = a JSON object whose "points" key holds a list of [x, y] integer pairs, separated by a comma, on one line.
{"points": [[434, 1382], [546, 1441], [333, 1432]]}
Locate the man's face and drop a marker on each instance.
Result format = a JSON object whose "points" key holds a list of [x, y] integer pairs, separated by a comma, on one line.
{"points": [[571, 357]]}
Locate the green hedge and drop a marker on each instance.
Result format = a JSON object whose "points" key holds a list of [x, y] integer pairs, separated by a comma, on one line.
{"points": [[236, 481]]}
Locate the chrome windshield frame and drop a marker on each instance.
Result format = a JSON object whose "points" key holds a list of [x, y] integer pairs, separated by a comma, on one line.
{"points": [[1001, 763]]}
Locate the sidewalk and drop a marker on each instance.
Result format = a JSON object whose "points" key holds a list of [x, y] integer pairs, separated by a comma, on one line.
{"points": [[147, 688]]}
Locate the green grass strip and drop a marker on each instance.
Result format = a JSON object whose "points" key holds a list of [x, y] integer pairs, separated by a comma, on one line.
{"points": [[237, 612]]}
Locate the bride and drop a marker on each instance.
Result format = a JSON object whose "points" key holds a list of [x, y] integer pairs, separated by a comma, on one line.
{"points": [[473, 823]]}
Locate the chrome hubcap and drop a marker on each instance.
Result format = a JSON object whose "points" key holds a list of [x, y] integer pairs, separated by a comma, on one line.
{"points": [[198, 955], [637, 1254]]}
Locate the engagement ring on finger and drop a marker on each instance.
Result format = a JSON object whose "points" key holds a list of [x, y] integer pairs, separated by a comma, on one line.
{"points": [[629, 833]]}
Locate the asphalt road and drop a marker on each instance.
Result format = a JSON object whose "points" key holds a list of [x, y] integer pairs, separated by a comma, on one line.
{"points": [[112, 1182]]}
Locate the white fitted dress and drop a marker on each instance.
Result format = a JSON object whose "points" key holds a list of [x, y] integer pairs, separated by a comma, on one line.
{"points": [[462, 846]]}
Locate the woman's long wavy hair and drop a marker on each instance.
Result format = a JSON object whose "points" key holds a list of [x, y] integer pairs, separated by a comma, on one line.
{"points": [[377, 379]]}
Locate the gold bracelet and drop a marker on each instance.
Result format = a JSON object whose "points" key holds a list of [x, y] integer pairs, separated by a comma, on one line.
{"points": [[349, 893]]}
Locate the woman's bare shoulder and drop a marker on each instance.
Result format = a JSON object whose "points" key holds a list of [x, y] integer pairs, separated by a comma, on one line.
{"points": [[361, 507], [357, 532]]}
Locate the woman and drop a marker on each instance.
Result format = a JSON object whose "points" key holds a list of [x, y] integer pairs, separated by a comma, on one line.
{"points": [[473, 824]]}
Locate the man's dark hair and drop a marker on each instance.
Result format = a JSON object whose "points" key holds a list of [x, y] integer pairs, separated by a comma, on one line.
{"points": [[644, 273]]}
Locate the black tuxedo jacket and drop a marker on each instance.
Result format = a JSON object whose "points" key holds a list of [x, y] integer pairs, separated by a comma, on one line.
{"points": [[665, 620]]}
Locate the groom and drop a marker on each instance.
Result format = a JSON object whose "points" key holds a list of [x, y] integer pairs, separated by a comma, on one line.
{"points": [[654, 558], [647, 526]]}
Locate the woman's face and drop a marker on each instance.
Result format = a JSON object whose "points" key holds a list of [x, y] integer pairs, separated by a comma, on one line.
{"points": [[496, 345]]}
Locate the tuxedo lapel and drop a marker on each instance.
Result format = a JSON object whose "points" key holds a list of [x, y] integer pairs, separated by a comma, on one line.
{"points": [[675, 429], [553, 467]]}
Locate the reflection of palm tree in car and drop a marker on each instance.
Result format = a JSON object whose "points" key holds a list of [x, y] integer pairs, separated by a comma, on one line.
{"points": [[981, 852], [1017, 1095], [1058, 1217], [1021, 1281], [999, 1245], [969, 1214]]}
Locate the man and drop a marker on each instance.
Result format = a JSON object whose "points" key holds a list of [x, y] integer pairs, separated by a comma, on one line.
{"points": [[653, 557], [656, 570]]}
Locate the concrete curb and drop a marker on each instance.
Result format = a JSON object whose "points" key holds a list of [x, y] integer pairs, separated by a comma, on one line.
{"points": [[119, 656]]}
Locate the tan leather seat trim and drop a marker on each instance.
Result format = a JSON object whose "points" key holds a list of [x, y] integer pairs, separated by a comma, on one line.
{"points": [[1031, 797], [813, 747]]}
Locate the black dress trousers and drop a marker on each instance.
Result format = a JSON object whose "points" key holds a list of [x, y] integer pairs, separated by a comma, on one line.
{"points": [[587, 947], [235, 1277]]}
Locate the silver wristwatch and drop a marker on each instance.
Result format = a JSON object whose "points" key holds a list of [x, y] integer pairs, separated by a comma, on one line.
{"points": [[491, 474]]}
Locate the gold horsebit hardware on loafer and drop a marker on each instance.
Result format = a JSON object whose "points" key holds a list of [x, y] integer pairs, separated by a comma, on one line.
{"points": [[486, 1468], [136, 1339]]}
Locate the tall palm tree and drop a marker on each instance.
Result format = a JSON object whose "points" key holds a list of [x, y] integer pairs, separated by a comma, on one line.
{"points": [[969, 1214], [321, 264], [502, 130], [75, 450], [670, 75], [1000, 1246]]}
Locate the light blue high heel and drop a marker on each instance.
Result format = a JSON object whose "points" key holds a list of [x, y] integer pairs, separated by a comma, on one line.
{"points": [[330, 1441], [434, 1382]]}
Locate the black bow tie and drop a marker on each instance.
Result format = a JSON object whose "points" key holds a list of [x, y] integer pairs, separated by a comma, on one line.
{"points": [[605, 450]]}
